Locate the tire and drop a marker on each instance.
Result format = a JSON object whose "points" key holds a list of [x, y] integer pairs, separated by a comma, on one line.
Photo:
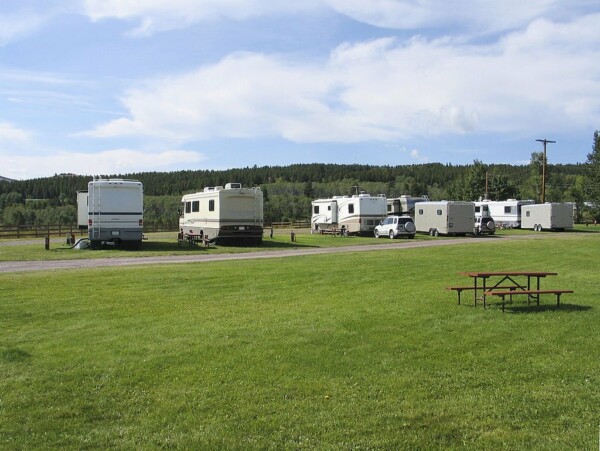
{"points": [[376, 233], [409, 227], [435, 232], [391, 235], [411, 237]]}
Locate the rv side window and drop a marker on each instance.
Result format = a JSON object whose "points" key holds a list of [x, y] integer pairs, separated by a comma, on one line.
{"points": [[211, 205], [507, 209], [196, 206], [188, 207], [389, 208], [316, 210], [328, 207], [350, 208], [527, 213], [477, 209], [439, 212], [420, 211]]}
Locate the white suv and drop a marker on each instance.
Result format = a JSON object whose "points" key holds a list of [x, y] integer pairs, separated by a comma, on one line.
{"points": [[484, 224], [394, 226]]}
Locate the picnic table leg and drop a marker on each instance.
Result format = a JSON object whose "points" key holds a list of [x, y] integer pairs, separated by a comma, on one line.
{"points": [[557, 300], [484, 300], [475, 291]]}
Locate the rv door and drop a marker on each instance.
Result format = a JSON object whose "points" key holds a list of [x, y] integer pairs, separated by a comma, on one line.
{"points": [[334, 212]]}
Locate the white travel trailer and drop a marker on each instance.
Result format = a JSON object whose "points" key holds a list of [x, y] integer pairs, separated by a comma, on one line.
{"points": [[220, 214], [548, 216], [404, 205], [507, 213], [445, 218], [115, 211], [358, 214]]}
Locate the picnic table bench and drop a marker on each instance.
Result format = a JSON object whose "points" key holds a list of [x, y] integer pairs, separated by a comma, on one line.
{"points": [[529, 293], [508, 283], [192, 240]]}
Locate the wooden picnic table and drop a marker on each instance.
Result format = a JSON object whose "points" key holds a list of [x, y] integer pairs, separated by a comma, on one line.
{"points": [[508, 283]]}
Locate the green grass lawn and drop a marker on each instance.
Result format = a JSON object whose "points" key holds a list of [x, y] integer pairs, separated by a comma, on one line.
{"points": [[361, 350]]}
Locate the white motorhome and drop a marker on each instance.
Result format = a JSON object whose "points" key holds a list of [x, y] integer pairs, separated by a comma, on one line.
{"points": [[404, 205], [115, 211], [358, 214], [548, 216], [220, 214], [445, 218], [507, 213]]}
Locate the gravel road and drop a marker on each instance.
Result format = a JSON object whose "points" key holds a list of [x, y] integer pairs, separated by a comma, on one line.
{"points": [[18, 266]]}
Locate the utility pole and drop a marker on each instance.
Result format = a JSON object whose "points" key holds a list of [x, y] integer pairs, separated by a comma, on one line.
{"points": [[544, 141]]}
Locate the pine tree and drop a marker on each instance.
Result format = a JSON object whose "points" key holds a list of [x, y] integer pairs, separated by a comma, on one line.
{"points": [[592, 177]]}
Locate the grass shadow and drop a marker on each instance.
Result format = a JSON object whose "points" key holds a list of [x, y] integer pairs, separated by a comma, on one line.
{"points": [[533, 308]]}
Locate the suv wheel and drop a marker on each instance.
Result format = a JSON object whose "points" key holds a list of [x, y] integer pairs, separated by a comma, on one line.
{"points": [[376, 233], [391, 234]]}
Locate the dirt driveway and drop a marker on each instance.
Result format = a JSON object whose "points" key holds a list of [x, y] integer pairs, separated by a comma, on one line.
{"points": [[26, 266]]}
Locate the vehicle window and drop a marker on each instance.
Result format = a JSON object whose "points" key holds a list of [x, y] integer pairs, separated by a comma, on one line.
{"points": [[527, 213], [507, 209], [195, 206], [211, 205], [350, 208], [420, 211], [188, 207], [316, 210], [439, 212]]}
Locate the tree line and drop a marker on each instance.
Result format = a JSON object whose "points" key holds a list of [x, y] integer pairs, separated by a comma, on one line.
{"points": [[289, 190]]}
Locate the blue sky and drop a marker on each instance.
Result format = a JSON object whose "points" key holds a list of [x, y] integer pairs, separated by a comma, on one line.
{"points": [[117, 86]]}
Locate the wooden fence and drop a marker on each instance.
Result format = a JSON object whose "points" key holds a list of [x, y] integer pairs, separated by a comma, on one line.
{"points": [[36, 231]]}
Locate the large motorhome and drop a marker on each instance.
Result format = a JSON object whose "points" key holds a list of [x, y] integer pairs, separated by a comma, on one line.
{"points": [[445, 218], [506, 214], [548, 216], [223, 214], [358, 214], [404, 205], [115, 211]]}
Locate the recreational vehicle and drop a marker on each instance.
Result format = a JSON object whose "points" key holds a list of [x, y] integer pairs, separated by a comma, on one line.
{"points": [[548, 216], [223, 214], [115, 211], [506, 214], [404, 205], [358, 214], [445, 218]]}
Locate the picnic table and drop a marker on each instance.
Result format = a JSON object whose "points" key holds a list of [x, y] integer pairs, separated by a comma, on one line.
{"points": [[508, 283], [192, 240]]}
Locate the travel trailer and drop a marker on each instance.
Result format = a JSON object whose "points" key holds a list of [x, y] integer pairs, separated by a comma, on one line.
{"points": [[404, 205], [223, 214], [445, 218], [115, 211], [358, 214], [548, 216], [506, 214]]}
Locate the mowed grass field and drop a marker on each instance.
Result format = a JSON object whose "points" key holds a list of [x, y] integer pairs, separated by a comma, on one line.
{"points": [[355, 351]]}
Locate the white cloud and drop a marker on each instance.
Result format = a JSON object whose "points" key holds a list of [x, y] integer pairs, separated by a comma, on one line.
{"points": [[160, 15], [10, 134], [546, 76], [481, 16], [116, 161], [472, 15], [16, 26]]}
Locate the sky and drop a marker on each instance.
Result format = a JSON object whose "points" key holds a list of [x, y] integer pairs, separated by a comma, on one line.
{"points": [[99, 87]]}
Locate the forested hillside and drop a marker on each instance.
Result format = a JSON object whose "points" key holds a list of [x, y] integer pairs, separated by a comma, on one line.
{"points": [[289, 190]]}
